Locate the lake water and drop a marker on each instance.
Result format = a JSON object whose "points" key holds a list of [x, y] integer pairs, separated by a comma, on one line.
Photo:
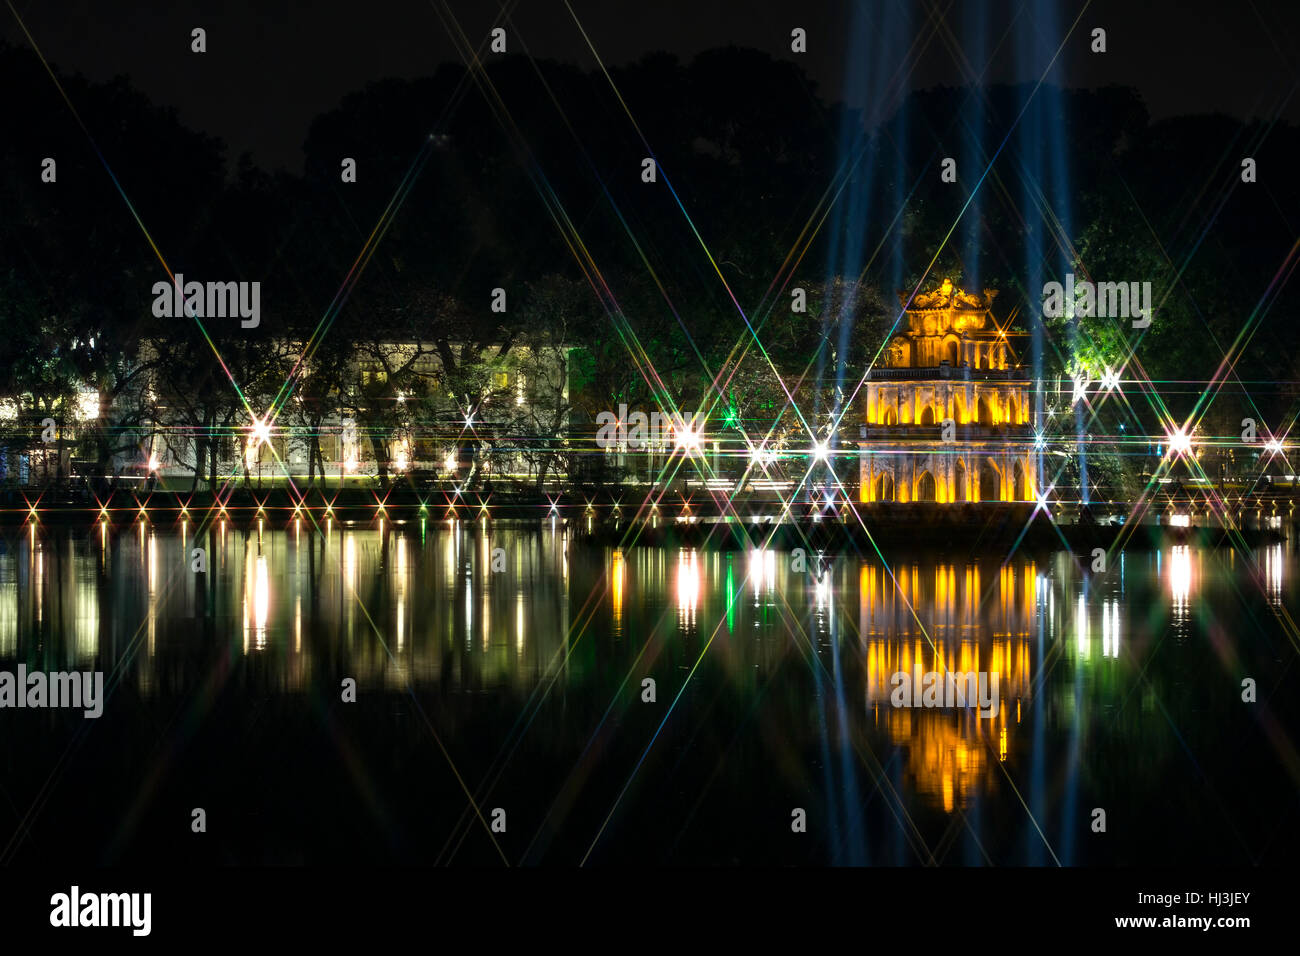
{"points": [[499, 678]]}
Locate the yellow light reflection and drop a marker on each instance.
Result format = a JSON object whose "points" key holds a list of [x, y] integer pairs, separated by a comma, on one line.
{"points": [[616, 585], [401, 586], [1273, 574], [1180, 579], [930, 619], [688, 585], [257, 600]]}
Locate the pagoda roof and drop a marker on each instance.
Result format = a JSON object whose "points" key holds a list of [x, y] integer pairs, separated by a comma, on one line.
{"points": [[948, 298]]}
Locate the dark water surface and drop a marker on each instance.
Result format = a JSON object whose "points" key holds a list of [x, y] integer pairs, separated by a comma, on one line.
{"points": [[521, 689]]}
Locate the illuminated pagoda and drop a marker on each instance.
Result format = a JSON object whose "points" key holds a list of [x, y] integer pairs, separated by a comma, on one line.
{"points": [[947, 415]]}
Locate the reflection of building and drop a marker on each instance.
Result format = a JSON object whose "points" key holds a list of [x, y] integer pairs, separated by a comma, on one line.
{"points": [[948, 414], [944, 620]]}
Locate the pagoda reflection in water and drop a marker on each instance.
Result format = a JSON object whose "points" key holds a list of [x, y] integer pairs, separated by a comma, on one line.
{"points": [[940, 620]]}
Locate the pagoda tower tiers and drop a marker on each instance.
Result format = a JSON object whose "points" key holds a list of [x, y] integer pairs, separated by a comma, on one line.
{"points": [[947, 415]]}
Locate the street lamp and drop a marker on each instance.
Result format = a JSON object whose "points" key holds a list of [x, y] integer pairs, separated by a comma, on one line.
{"points": [[1180, 442], [686, 437]]}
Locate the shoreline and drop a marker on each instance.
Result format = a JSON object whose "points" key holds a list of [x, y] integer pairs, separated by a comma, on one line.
{"points": [[608, 522]]}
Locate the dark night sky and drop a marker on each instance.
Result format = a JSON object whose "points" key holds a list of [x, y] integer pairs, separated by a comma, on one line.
{"points": [[273, 65]]}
